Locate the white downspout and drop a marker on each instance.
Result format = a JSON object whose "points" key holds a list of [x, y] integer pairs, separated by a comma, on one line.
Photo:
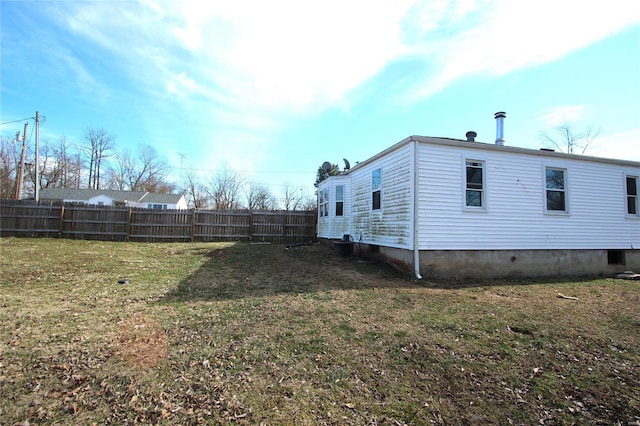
{"points": [[416, 212]]}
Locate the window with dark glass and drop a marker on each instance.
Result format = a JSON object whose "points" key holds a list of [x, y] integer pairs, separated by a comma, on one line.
{"points": [[556, 192], [632, 195], [323, 203], [339, 200], [376, 188], [475, 184]]}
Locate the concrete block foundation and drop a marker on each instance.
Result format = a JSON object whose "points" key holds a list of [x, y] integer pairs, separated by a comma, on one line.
{"points": [[443, 264], [526, 263]]}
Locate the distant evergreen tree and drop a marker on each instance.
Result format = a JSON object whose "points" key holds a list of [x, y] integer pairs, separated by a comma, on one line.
{"points": [[322, 175]]}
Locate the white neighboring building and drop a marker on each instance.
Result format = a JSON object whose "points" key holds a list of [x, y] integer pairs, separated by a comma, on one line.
{"points": [[443, 207], [141, 199]]}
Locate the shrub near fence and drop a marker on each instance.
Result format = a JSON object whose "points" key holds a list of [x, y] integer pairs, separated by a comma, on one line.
{"points": [[89, 222]]}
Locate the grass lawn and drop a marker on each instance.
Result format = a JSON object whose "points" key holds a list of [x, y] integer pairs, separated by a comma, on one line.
{"points": [[259, 334]]}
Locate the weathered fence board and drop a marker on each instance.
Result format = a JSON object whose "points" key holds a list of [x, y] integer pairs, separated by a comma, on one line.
{"points": [[31, 219], [226, 225], [94, 223], [160, 225]]}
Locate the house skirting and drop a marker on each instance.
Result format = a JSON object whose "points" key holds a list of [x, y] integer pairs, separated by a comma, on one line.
{"points": [[443, 264]]}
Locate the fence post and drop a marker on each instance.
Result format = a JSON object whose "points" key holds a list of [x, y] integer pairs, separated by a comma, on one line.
{"points": [[61, 224], [129, 215], [284, 225], [250, 236], [193, 225]]}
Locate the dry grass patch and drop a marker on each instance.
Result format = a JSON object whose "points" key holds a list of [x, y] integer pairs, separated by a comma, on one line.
{"points": [[258, 334], [141, 341]]}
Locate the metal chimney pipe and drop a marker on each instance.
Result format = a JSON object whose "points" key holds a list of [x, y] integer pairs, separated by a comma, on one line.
{"points": [[471, 136], [500, 116]]}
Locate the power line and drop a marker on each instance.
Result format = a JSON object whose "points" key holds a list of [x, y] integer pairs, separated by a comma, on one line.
{"points": [[17, 121], [195, 169]]}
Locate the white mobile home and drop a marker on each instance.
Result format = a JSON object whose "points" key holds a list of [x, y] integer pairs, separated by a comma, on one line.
{"points": [[444, 207]]}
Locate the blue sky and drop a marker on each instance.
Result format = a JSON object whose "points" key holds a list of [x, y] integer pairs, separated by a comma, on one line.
{"points": [[273, 89]]}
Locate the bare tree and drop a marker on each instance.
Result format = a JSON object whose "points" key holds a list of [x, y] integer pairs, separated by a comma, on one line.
{"points": [[60, 166], [144, 171], [117, 172], [309, 203], [292, 197], [565, 139], [100, 144], [9, 160], [224, 190], [195, 192], [70, 162], [259, 197], [50, 171]]}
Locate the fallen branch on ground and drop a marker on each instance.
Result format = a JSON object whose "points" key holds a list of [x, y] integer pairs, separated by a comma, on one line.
{"points": [[562, 296]]}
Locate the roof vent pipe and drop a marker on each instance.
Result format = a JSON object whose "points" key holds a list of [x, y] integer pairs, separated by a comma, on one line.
{"points": [[471, 136], [500, 116]]}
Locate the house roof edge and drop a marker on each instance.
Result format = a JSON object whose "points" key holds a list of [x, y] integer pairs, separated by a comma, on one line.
{"points": [[491, 147]]}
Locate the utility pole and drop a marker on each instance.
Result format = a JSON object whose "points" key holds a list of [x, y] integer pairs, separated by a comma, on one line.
{"points": [[20, 178], [37, 185]]}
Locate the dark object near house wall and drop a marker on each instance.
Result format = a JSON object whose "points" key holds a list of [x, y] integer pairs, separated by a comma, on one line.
{"points": [[343, 248]]}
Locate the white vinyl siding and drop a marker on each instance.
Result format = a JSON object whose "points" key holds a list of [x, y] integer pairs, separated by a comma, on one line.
{"points": [[392, 224], [340, 224], [331, 225], [101, 200], [518, 219], [515, 188], [323, 220]]}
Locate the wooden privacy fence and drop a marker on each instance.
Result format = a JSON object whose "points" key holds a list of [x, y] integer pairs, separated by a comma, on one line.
{"points": [[31, 219]]}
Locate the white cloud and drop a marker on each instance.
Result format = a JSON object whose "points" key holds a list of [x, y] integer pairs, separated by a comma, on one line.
{"points": [[289, 56], [623, 145], [293, 55], [501, 36], [241, 69], [560, 115]]}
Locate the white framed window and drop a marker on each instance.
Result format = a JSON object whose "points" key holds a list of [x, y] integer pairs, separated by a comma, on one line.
{"points": [[340, 200], [556, 192], [631, 184], [376, 189], [157, 206], [475, 187], [323, 203]]}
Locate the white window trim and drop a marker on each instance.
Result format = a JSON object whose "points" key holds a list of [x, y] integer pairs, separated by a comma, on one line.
{"points": [[637, 178], [376, 211], [336, 201], [484, 208], [323, 203], [567, 192]]}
